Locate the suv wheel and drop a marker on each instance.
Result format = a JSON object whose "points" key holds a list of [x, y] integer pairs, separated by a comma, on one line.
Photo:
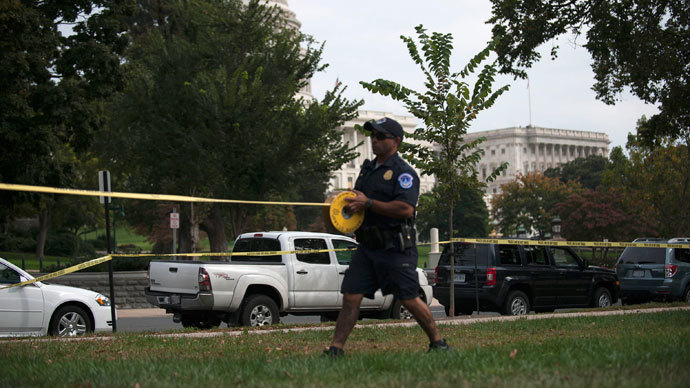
{"points": [[686, 295], [602, 298], [516, 303]]}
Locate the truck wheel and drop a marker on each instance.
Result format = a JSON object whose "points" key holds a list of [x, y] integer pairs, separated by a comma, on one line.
{"points": [[70, 321], [398, 311], [602, 298], [259, 310], [516, 303]]}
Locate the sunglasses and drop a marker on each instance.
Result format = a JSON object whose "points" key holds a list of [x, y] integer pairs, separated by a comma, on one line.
{"points": [[381, 136]]}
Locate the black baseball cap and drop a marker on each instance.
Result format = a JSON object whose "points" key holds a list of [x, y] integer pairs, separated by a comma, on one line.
{"points": [[385, 125]]}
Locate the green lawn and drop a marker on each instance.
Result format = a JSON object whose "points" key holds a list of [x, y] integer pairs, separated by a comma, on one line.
{"points": [[635, 350], [31, 262]]}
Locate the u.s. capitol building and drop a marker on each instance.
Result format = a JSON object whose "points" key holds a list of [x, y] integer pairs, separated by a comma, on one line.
{"points": [[529, 149]]}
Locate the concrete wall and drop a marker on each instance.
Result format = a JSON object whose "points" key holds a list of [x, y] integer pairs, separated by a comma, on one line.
{"points": [[129, 286]]}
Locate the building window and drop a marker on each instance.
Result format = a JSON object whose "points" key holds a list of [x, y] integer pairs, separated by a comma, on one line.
{"points": [[503, 151], [494, 190], [483, 172], [524, 150], [493, 152]]}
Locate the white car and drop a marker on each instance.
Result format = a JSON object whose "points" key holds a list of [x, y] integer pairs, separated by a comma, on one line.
{"points": [[39, 309]]}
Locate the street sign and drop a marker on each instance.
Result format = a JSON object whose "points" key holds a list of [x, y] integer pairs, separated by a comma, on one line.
{"points": [[104, 185], [174, 220]]}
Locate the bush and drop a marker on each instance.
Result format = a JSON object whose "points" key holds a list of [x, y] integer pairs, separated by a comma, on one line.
{"points": [[17, 243], [100, 243], [60, 244], [128, 248]]}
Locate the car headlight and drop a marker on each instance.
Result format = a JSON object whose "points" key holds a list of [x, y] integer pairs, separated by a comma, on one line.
{"points": [[102, 300]]}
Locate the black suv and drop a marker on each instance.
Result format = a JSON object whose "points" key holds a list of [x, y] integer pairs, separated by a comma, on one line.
{"points": [[515, 279]]}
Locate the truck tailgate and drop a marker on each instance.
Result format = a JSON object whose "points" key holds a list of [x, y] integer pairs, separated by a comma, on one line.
{"points": [[176, 277]]}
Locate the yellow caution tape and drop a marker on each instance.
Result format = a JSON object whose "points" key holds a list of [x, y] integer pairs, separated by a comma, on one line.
{"points": [[590, 244], [155, 197], [65, 271], [262, 253], [594, 244]]}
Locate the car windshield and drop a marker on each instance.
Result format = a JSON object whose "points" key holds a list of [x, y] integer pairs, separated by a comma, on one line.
{"points": [[637, 255], [257, 245], [465, 254]]}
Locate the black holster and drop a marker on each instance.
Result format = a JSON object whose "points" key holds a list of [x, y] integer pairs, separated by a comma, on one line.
{"points": [[399, 237]]}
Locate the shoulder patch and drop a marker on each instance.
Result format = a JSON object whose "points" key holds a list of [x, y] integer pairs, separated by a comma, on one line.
{"points": [[406, 180]]}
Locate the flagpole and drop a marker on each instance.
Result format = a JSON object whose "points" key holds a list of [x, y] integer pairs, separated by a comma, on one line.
{"points": [[529, 101]]}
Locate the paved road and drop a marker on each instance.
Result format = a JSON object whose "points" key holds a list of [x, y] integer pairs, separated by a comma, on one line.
{"points": [[142, 320], [135, 321]]}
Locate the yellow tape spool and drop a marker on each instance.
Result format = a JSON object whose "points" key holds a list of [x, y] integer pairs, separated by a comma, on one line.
{"points": [[337, 219]]}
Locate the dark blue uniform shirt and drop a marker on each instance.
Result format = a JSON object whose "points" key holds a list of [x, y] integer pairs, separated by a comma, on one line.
{"points": [[394, 180]]}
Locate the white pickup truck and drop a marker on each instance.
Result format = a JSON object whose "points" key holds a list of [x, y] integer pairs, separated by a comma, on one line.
{"points": [[257, 290]]}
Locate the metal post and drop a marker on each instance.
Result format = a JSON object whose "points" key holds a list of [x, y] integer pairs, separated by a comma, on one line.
{"points": [[104, 185], [110, 267], [115, 230], [40, 264], [23, 264], [174, 237], [476, 278]]}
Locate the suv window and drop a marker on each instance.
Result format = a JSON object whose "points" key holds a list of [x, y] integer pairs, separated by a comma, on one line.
{"points": [[344, 257], [307, 244], [637, 255], [509, 255], [464, 254], [8, 275], [682, 254], [536, 255], [257, 245], [564, 258]]}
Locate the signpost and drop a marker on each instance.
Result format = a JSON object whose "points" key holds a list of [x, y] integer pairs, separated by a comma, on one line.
{"points": [[104, 186], [174, 225]]}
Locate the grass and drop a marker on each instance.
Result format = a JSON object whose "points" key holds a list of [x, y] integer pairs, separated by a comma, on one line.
{"points": [[31, 262], [638, 350]]}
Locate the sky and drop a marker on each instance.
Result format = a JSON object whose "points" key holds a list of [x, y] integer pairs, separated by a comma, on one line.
{"points": [[362, 43]]}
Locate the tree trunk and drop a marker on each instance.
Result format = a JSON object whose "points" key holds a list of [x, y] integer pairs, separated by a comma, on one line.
{"points": [[214, 226], [44, 223], [238, 218]]}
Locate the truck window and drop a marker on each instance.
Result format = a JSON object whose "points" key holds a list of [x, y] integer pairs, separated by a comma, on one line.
{"points": [[536, 255], [563, 258], [305, 244], [344, 257], [509, 255], [257, 245]]}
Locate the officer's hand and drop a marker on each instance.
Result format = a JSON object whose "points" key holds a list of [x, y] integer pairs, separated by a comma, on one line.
{"points": [[356, 203]]}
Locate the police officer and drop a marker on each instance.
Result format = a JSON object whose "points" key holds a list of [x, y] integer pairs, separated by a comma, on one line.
{"points": [[386, 258]]}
